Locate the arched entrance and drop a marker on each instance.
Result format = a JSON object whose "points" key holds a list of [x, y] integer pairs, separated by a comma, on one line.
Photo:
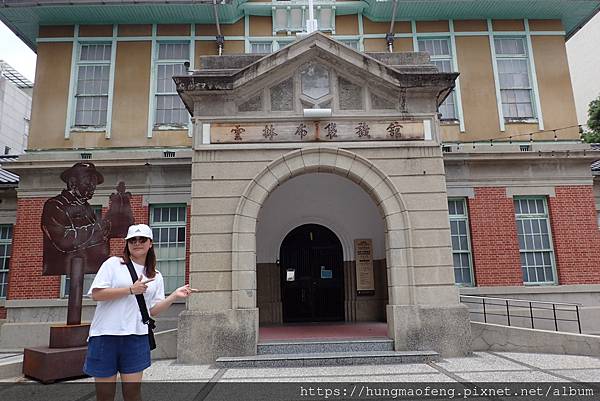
{"points": [[312, 275]]}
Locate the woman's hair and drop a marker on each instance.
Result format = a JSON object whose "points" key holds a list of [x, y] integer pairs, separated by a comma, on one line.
{"points": [[150, 265]]}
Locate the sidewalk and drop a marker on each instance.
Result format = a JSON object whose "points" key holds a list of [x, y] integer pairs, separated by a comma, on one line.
{"points": [[481, 367], [166, 379]]}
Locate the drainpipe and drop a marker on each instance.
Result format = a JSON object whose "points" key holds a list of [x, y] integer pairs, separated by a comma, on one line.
{"points": [[389, 37], [220, 38]]}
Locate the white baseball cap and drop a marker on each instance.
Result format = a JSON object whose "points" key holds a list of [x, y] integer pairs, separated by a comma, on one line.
{"points": [[139, 230]]}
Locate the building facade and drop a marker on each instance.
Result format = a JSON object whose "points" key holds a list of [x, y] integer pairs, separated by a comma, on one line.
{"points": [[321, 179], [15, 110], [582, 50]]}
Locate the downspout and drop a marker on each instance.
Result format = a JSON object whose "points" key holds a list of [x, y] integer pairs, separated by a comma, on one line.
{"points": [[389, 37], [220, 38]]}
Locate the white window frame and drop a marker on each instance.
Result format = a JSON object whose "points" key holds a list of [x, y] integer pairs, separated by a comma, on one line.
{"points": [[156, 226], [523, 217], [462, 218], [155, 94], [75, 76], [526, 57], [5, 259], [350, 41], [441, 58], [261, 42]]}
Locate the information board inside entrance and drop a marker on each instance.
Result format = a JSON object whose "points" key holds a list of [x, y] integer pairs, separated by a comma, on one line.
{"points": [[363, 252]]}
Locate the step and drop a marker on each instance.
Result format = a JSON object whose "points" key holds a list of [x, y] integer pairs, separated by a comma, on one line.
{"points": [[11, 365], [320, 346], [327, 359]]}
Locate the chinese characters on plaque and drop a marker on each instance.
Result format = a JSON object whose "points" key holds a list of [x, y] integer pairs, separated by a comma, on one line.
{"points": [[363, 256], [319, 131]]}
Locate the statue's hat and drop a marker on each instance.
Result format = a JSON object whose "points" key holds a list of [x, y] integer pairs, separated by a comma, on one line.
{"points": [[81, 169]]}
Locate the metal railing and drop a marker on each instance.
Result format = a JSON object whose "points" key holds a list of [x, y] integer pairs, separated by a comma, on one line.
{"points": [[515, 312]]}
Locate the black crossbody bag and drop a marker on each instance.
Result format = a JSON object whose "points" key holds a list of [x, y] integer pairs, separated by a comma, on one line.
{"points": [[146, 319]]}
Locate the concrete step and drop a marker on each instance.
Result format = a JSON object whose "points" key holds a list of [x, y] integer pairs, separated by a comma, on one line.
{"points": [[327, 359], [320, 346], [11, 365]]}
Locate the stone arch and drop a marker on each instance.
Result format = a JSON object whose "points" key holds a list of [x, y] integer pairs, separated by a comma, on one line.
{"points": [[348, 164]]}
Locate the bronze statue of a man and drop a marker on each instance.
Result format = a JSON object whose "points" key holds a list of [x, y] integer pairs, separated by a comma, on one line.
{"points": [[70, 226]]}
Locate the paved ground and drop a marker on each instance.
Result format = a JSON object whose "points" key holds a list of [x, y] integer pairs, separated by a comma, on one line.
{"points": [[201, 382]]}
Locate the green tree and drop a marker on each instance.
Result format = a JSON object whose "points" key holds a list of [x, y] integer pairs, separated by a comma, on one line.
{"points": [[592, 135]]}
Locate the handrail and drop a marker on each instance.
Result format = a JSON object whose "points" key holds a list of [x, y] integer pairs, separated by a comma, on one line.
{"points": [[522, 300], [506, 305]]}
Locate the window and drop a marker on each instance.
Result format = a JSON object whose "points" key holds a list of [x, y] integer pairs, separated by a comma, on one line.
{"points": [[261, 47], [169, 109], [353, 43], [6, 233], [87, 278], [325, 18], [461, 244], [283, 43], [535, 241], [513, 76], [91, 95], [441, 55], [291, 18], [168, 225]]}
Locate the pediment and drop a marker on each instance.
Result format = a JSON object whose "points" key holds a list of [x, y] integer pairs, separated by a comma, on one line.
{"points": [[314, 72]]}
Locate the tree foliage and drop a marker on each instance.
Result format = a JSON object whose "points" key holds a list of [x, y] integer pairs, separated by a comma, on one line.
{"points": [[592, 135]]}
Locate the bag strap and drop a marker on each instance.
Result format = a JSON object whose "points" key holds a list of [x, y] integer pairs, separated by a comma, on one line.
{"points": [[146, 319]]}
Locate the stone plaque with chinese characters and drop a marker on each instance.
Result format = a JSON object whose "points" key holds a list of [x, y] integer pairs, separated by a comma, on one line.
{"points": [[363, 252], [322, 130]]}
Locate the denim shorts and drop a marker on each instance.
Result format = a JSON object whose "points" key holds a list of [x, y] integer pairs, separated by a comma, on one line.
{"points": [[107, 355]]}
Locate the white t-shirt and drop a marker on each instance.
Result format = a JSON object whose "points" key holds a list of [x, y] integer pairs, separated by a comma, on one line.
{"points": [[122, 316]]}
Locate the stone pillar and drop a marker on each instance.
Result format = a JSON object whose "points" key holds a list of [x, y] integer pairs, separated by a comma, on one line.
{"points": [[445, 329], [205, 336], [424, 311]]}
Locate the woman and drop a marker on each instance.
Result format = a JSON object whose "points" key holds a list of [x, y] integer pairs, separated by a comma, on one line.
{"points": [[118, 340]]}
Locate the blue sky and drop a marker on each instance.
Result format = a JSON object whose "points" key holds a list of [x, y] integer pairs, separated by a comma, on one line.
{"points": [[16, 53]]}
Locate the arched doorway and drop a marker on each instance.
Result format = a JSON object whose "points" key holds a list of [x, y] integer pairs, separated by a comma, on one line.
{"points": [[312, 275]]}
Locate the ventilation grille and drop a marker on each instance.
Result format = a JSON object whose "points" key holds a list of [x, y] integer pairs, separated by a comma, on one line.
{"points": [[446, 149], [86, 156], [168, 153], [525, 148]]}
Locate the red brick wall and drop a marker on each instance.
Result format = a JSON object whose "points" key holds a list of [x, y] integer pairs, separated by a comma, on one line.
{"points": [[2, 312], [25, 275], [25, 280], [140, 216], [494, 239], [575, 234]]}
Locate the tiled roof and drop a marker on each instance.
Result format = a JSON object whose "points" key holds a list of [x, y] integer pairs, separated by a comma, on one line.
{"points": [[14, 76], [6, 177], [596, 164]]}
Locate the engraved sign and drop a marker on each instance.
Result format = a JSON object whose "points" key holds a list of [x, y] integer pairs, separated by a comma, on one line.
{"points": [[322, 131], [363, 252]]}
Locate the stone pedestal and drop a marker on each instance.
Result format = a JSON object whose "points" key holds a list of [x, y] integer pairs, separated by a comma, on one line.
{"points": [[445, 329], [64, 357], [50, 364], [205, 336], [66, 336]]}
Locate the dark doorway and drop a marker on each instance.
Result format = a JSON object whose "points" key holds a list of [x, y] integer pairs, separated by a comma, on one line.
{"points": [[312, 275]]}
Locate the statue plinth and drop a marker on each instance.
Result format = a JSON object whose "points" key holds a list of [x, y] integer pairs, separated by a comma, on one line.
{"points": [[51, 364]]}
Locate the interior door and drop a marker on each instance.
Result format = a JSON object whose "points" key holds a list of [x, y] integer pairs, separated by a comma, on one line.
{"points": [[312, 281]]}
